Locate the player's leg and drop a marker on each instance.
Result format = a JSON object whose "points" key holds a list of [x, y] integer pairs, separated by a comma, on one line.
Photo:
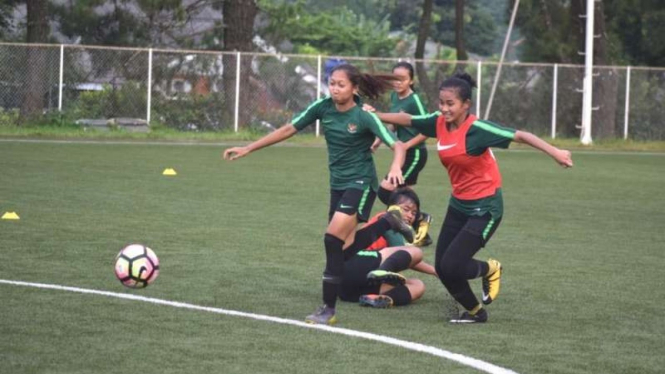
{"points": [[450, 229], [342, 224], [414, 163], [458, 266], [364, 237], [395, 260], [354, 278], [385, 190], [398, 295]]}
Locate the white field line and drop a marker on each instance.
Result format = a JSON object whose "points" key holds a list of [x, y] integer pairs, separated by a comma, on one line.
{"points": [[322, 145], [464, 360]]}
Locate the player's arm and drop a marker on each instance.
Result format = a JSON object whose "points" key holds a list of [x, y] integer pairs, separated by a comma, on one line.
{"points": [[377, 140], [415, 141], [399, 155], [399, 150], [276, 136], [401, 118], [299, 122], [561, 156]]}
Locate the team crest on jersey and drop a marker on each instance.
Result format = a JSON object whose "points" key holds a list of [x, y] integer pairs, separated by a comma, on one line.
{"points": [[352, 128]]}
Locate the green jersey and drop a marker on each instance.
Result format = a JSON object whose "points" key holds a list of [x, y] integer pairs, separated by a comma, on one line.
{"points": [[411, 105], [349, 136]]}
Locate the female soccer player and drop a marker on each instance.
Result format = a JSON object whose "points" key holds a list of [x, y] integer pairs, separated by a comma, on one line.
{"points": [[404, 99], [349, 133], [476, 205], [371, 276]]}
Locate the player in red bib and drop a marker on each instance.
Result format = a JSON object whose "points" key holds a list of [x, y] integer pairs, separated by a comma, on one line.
{"points": [[476, 205]]}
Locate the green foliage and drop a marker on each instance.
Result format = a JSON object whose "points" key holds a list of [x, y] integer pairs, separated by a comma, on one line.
{"points": [[126, 101], [121, 23], [338, 31], [192, 112], [546, 26], [8, 117], [634, 30]]}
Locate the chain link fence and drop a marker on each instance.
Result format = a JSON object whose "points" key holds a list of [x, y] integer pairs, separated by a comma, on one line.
{"points": [[214, 91]]}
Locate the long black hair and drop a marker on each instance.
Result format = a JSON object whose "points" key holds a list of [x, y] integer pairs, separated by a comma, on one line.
{"points": [[369, 85], [401, 194]]}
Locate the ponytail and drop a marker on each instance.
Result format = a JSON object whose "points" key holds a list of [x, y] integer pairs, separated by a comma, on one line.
{"points": [[371, 86], [462, 83]]}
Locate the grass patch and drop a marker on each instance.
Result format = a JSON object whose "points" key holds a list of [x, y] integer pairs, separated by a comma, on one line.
{"points": [[160, 133], [581, 249]]}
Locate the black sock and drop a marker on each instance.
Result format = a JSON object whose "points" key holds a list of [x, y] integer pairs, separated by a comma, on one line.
{"points": [[366, 236], [332, 275], [400, 295], [397, 262], [384, 195], [466, 299]]}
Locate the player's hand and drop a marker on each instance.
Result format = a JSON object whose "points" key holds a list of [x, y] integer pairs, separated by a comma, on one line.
{"points": [[235, 153], [424, 222], [368, 108], [564, 158], [395, 177], [375, 145]]}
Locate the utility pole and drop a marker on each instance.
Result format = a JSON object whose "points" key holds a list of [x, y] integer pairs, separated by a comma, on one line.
{"points": [[587, 89]]}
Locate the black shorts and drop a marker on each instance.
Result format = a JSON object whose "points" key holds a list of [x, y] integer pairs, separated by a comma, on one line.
{"points": [[352, 201], [415, 161], [354, 277]]}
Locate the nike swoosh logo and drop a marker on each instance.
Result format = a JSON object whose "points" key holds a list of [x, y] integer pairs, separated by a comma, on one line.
{"points": [[345, 206], [327, 121], [440, 147]]}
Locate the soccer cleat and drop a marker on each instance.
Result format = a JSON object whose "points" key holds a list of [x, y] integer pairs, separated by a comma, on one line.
{"points": [[492, 281], [324, 315], [394, 217], [376, 301], [467, 317], [384, 276]]}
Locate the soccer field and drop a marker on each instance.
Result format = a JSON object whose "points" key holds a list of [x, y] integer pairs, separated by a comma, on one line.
{"points": [[582, 251]]}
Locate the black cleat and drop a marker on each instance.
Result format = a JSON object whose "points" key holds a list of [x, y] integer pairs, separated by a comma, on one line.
{"points": [[394, 217], [466, 317], [376, 301]]}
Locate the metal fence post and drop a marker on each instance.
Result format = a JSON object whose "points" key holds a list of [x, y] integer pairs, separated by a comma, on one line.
{"points": [[479, 77], [62, 59], [555, 85], [149, 100], [318, 90], [627, 108], [237, 116]]}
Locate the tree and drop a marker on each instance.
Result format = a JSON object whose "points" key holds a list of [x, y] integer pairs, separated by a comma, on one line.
{"points": [[428, 86], [459, 33], [547, 25], [6, 27], [336, 31], [37, 32], [238, 18]]}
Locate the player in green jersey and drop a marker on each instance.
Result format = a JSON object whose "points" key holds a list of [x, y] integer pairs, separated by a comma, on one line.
{"points": [[349, 133], [476, 205], [404, 99]]}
